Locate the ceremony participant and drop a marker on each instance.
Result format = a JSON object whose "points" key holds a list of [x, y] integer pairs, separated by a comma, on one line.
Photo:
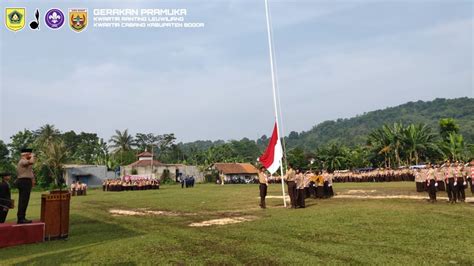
{"points": [[25, 182], [330, 181], [449, 180], [470, 177], [263, 181], [462, 184], [431, 182], [320, 186], [6, 202], [73, 189], [300, 194], [290, 181]]}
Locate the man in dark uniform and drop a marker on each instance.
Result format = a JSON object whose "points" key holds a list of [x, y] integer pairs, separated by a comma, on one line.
{"points": [[25, 182], [263, 181], [5, 196]]}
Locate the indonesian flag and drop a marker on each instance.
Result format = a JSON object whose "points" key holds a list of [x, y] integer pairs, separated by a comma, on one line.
{"points": [[271, 159]]}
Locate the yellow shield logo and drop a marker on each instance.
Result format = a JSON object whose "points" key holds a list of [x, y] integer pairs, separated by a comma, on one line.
{"points": [[15, 18], [78, 19]]}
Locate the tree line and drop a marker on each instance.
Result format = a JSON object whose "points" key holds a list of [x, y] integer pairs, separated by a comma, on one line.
{"points": [[388, 146]]}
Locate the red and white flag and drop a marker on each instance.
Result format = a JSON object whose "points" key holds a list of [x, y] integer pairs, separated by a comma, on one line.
{"points": [[271, 159]]}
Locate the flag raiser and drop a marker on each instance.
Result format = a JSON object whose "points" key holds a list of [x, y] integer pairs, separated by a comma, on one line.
{"points": [[272, 156]]}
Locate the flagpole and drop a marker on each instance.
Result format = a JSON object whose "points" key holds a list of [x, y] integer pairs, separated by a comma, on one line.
{"points": [[272, 67]]}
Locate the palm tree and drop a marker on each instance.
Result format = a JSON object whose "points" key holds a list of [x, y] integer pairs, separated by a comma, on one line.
{"points": [[380, 140], [55, 155], [121, 141], [418, 141], [333, 157], [46, 135]]}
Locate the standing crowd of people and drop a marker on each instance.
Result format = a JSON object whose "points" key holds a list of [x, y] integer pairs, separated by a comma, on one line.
{"points": [[130, 185], [78, 188], [454, 178], [301, 186]]}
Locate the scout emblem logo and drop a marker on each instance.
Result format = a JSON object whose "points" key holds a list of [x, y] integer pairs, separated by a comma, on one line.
{"points": [[54, 18], [78, 19], [15, 18]]}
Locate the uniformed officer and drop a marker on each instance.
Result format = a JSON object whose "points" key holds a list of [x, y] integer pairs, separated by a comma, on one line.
{"points": [[5, 196], [290, 181], [263, 181], [25, 182]]}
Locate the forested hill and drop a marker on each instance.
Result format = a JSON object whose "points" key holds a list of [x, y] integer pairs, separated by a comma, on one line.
{"points": [[354, 130]]}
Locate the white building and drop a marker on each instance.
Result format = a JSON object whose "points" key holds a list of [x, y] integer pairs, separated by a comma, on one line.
{"points": [[147, 166]]}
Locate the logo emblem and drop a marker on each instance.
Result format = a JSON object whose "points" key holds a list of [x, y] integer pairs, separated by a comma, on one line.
{"points": [[78, 19], [34, 25], [15, 18], [54, 18]]}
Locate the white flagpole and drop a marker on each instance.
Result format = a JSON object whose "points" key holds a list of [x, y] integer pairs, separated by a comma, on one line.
{"points": [[272, 67]]}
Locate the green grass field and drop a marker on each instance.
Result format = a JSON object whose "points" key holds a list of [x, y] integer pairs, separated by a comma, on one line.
{"points": [[333, 231]]}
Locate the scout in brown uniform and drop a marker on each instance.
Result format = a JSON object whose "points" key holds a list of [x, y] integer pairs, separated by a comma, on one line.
{"points": [[449, 180], [263, 180], [290, 181], [300, 194], [471, 177], [431, 183], [6, 202], [24, 183]]}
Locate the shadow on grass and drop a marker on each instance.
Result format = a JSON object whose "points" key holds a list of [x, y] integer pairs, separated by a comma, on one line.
{"points": [[85, 233]]}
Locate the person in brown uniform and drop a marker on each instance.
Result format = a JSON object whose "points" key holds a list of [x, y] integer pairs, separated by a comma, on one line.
{"points": [[290, 181], [263, 181], [300, 194], [431, 182], [24, 183]]}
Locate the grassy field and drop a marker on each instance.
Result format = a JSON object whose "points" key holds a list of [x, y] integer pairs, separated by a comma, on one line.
{"points": [[334, 231]]}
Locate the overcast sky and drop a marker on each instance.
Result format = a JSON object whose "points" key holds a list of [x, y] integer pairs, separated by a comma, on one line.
{"points": [[335, 59]]}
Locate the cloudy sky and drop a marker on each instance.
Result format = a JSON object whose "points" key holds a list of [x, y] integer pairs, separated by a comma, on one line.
{"points": [[335, 59]]}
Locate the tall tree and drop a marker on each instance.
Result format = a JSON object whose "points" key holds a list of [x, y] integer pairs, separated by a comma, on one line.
{"points": [[46, 135], [446, 127], [121, 141], [22, 139]]}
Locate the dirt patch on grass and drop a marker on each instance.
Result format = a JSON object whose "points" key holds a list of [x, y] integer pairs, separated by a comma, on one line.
{"points": [[145, 212], [223, 221], [355, 191]]}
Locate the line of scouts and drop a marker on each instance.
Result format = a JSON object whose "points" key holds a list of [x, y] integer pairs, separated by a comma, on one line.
{"points": [[454, 178], [119, 185], [300, 186], [78, 189]]}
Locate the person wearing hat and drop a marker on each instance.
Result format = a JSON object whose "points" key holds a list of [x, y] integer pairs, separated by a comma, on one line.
{"points": [[25, 182], [6, 202]]}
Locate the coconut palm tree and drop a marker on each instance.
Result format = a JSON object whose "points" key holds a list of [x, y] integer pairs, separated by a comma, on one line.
{"points": [[55, 156], [46, 135], [418, 141], [380, 141], [121, 141]]}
